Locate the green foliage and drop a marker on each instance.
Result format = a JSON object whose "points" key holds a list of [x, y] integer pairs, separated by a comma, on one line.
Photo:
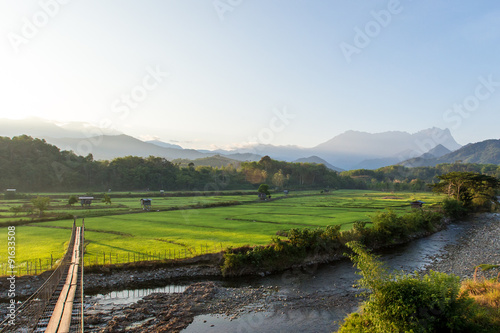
{"points": [[406, 303], [388, 227], [374, 273], [246, 260], [467, 187], [41, 203], [401, 178], [33, 165], [72, 200], [106, 199], [264, 188], [454, 209], [16, 209]]}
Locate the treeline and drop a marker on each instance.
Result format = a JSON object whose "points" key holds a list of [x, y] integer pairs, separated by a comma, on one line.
{"points": [[401, 178], [29, 164], [296, 175]]}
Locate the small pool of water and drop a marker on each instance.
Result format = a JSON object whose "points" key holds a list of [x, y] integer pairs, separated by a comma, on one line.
{"points": [[133, 295]]}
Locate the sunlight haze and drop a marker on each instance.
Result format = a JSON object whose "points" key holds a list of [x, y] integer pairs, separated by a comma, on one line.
{"points": [[214, 74]]}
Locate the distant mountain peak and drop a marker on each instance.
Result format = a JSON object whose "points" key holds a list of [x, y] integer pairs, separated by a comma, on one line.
{"points": [[164, 144], [437, 151], [352, 148]]}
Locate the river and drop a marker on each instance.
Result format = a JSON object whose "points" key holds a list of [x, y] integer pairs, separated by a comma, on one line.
{"points": [[314, 299]]}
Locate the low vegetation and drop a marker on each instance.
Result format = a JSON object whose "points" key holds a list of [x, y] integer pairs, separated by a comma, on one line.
{"points": [[436, 302], [305, 244]]}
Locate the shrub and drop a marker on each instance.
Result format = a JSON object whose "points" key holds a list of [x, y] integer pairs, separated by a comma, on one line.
{"points": [[422, 220], [454, 209], [41, 203], [388, 226], [405, 303], [72, 200]]}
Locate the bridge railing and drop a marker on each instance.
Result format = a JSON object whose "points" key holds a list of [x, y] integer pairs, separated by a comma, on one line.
{"points": [[28, 313]]}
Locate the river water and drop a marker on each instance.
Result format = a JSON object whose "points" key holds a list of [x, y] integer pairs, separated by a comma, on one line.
{"points": [[330, 280]]}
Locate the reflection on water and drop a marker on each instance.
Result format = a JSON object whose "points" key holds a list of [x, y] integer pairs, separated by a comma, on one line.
{"points": [[133, 295]]}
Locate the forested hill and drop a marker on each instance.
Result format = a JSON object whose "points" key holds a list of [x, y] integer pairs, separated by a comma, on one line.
{"points": [[33, 165], [484, 152]]}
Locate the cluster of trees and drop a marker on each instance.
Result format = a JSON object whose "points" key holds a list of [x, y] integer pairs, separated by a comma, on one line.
{"points": [[29, 164], [401, 178], [296, 175]]}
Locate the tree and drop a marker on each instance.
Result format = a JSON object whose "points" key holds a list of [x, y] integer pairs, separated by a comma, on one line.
{"points": [[41, 203], [264, 188], [467, 186], [279, 179], [72, 200], [106, 199]]}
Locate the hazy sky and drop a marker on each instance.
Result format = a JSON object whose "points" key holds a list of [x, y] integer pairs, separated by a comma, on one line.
{"points": [[220, 73]]}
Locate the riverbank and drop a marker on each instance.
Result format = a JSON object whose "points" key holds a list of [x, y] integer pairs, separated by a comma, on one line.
{"points": [[297, 299], [480, 245], [300, 303], [212, 303]]}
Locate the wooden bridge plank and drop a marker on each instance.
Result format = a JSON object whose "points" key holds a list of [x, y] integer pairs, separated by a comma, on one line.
{"points": [[60, 321]]}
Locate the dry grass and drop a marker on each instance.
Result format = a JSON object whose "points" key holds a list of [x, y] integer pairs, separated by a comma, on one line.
{"points": [[486, 293]]}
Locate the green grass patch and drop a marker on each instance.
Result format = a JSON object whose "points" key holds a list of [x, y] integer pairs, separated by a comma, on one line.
{"points": [[141, 235]]}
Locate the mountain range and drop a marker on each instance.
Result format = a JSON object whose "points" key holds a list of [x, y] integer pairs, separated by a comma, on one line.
{"points": [[349, 150], [484, 152]]}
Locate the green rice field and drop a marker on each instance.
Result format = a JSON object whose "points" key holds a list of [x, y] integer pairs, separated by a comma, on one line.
{"points": [[136, 236]]}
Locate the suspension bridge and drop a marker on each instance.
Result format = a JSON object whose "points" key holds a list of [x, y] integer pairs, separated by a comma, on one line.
{"points": [[57, 306]]}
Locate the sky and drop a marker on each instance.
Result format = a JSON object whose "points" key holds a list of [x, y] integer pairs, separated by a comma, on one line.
{"points": [[227, 73]]}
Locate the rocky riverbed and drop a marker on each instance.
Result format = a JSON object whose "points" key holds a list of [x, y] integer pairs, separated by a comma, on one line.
{"points": [[479, 245], [161, 312]]}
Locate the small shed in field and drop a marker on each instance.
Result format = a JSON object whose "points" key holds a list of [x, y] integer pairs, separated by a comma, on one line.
{"points": [[146, 204], [85, 201], [416, 204]]}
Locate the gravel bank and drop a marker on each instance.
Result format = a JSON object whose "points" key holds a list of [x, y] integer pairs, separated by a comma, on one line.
{"points": [[162, 312], [479, 245]]}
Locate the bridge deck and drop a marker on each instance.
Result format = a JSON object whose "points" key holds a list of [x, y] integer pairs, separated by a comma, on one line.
{"points": [[60, 321]]}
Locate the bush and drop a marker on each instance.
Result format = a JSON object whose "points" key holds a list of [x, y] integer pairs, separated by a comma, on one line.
{"points": [[422, 220], [389, 227], [454, 209], [72, 200], [405, 303]]}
